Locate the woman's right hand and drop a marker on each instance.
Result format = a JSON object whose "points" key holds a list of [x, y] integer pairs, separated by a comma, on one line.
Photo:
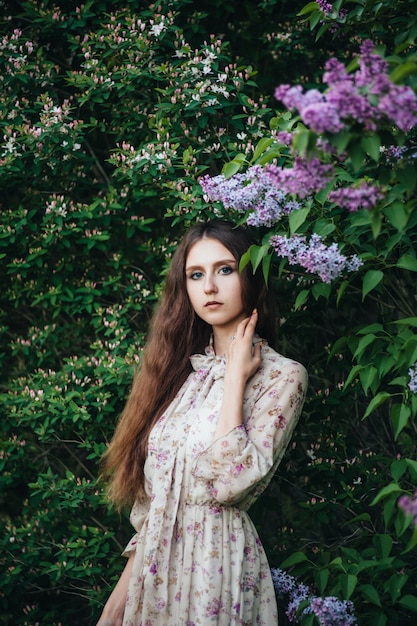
{"points": [[106, 620], [110, 621], [114, 608]]}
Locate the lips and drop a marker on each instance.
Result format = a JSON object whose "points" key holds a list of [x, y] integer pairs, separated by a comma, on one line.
{"points": [[212, 304]]}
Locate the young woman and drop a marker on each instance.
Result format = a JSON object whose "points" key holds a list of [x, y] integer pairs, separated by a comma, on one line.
{"points": [[210, 414]]}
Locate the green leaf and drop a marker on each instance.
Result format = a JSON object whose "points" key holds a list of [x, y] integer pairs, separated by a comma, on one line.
{"points": [[409, 602], [383, 544], [357, 155], [309, 8], [413, 541], [348, 584], [341, 291], [398, 467], [266, 264], [412, 466], [297, 557], [408, 177], [371, 594], [257, 253], [403, 70], [397, 215], [396, 583], [379, 399], [321, 290], [370, 328], [301, 139], [406, 321], [372, 145], [364, 342], [407, 262], [400, 414], [321, 578], [231, 168], [301, 298], [261, 146], [352, 374], [388, 490], [367, 377], [297, 218], [371, 279], [244, 260]]}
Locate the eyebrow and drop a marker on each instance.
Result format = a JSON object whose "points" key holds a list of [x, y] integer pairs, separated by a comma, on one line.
{"points": [[191, 268]]}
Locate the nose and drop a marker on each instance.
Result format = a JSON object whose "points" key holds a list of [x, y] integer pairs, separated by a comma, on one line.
{"points": [[210, 284]]}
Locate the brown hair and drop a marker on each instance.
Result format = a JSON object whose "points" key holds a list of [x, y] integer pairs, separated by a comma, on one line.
{"points": [[176, 332]]}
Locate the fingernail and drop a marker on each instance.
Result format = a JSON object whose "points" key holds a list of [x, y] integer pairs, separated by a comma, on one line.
{"points": [[254, 311]]}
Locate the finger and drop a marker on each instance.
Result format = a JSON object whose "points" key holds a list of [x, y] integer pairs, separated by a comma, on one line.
{"points": [[251, 323]]}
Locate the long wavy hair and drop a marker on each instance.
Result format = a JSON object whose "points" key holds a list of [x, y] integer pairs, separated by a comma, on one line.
{"points": [[176, 332]]}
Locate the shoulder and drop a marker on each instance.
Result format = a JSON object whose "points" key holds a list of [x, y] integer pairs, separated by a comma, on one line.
{"points": [[275, 366]]}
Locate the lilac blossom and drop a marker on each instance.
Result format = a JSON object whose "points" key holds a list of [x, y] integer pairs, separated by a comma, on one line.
{"points": [[394, 152], [372, 67], [412, 372], [363, 196], [305, 177], [315, 257], [364, 97], [349, 103], [330, 611], [409, 505], [250, 191], [325, 7], [284, 137], [400, 105], [322, 117]]}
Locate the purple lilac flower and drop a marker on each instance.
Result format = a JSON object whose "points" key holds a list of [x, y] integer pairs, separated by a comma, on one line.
{"points": [[364, 196], [315, 257], [325, 7], [350, 104], [371, 66], [331, 611], [409, 506], [284, 137], [394, 152], [250, 191], [400, 105], [412, 372], [321, 117], [352, 96], [305, 177], [299, 594], [283, 582]]}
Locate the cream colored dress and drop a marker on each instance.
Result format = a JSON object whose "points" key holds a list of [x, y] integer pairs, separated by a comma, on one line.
{"points": [[198, 556]]}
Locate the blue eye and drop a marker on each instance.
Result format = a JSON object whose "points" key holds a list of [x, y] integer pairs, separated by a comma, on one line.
{"points": [[226, 270], [195, 275]]}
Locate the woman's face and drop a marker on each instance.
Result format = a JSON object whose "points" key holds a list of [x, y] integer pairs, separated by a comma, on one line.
{"points": [[214, 284]]}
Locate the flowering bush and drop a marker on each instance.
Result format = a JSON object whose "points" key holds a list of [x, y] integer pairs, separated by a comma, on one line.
{"points": [[347, 157]]}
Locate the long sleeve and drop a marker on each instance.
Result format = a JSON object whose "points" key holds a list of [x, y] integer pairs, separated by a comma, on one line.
{"points": [[249, 454], [138, 517]]}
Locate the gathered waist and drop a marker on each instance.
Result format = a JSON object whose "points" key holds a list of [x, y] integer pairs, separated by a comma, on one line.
{"points": [[213, 507]]}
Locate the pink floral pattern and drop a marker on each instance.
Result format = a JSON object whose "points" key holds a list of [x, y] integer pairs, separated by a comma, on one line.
{"points": [[198, 556]]}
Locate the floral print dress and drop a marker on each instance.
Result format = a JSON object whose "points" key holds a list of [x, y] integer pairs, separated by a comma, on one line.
{"points": [[198, 558]]}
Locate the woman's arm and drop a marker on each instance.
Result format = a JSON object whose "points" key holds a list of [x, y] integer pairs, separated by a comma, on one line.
{"points": [[114, 608], [242, 361]]}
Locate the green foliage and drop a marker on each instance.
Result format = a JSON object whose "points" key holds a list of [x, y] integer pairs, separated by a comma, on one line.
{"points": [[110, 112]]}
